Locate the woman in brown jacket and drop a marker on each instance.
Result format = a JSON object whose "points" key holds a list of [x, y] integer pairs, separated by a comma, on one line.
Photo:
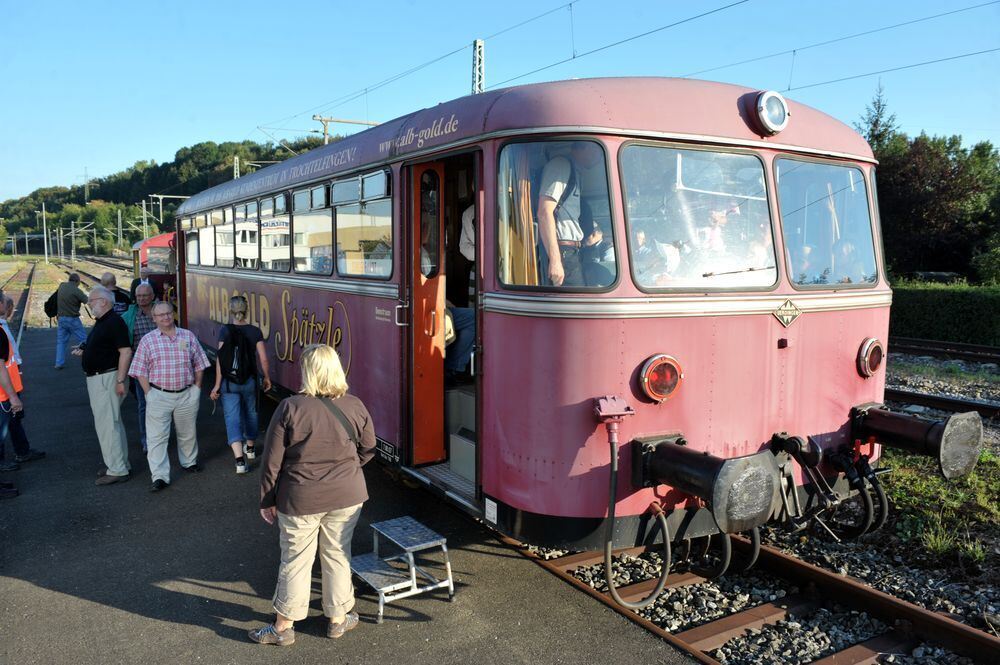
{"points": [[312, 483]]}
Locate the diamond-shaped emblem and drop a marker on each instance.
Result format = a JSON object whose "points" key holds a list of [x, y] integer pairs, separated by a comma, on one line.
{"points": [[787, 313]]}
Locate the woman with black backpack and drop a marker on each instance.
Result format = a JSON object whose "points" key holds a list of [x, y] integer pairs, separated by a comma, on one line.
{"points": [[240, 346]]}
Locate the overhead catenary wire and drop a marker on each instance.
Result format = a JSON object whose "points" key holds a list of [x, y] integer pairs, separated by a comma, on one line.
{"points": [[827, 42], [620, 42], [363, 92], [893, 69]]}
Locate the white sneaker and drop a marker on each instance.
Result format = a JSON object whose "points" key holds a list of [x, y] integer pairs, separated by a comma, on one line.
{"points": [[249, 451], [241, 467]]}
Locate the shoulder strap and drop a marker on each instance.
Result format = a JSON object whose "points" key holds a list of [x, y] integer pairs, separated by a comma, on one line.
{"points": [[570, 184], [339, 415]]}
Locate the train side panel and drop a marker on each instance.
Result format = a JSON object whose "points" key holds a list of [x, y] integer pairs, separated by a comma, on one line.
{"points": [[360, 327]]}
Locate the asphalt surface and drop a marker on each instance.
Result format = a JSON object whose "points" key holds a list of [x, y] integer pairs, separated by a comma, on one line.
{"points": [[119, 575]]}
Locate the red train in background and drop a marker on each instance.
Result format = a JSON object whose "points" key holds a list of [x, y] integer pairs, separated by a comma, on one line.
{"points": [[156, 257], [677, 298]]}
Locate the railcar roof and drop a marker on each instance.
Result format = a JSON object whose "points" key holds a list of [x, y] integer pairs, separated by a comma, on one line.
{"points": [[681, 108], [161, 240]]}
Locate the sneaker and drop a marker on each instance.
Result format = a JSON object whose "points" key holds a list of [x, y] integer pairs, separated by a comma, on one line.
{"points": [[241, 467], [335, 630], [194, 468], [8, 493], [9, 466], [249, 452], [59, 366], [111, 480], [158, 485], [30, 456], [268, 635]]}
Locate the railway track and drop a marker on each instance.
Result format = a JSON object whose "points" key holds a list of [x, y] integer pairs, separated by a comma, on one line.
{"points": [[974, 352], [907, 625], [108, 262], [986, 410]]}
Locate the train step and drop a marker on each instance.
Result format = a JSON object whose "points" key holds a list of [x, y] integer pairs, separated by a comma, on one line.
{"points": [[391, 581]]}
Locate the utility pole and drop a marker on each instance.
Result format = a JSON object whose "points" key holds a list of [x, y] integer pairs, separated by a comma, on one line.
{"points": [[119, 227], [45, 231], [236, 167], [326, 122], [145, 231], [160, 198], [72, 240], [95, 239], [26, 252], [61, 244], [478, 66], [86, 186]]}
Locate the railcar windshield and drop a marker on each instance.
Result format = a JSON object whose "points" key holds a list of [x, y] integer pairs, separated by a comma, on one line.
{"points": [[555, 217], [826, 223], [697, 220]]}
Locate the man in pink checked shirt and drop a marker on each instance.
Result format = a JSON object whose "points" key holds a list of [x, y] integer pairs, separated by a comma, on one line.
{"points": [[168, 364]]}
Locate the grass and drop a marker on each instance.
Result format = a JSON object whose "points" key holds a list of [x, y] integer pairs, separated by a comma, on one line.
{"points": [[944, 516]]}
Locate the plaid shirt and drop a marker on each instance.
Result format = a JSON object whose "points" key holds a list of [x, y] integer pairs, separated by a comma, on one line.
{"points": [[143, 324], [168, 363]]}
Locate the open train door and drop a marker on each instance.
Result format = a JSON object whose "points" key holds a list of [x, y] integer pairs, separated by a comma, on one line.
{"points": [[428, 312]]}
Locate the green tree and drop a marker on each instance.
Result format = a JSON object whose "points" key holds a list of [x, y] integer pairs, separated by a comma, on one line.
{"points": [[877, 125]]}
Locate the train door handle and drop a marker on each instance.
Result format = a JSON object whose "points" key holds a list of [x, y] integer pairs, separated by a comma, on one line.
{"points": [[472, 362], [401, 324], [433, 323]]}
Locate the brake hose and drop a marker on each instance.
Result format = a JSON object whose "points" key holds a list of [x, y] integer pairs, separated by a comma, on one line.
{"points": [[609, 538]]}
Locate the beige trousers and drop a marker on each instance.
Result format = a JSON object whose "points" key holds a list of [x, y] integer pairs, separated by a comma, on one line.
{"points": [[300, 537], [161, 407], [107, 409]]}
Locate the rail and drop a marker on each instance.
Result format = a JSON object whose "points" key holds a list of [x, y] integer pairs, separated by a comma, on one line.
{"points": [[954, 404], [975, 352], [821, 585], [27, 302]]}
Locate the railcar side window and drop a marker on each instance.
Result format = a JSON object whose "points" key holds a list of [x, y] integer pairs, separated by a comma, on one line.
{"points": [[554, 216], [224, 250], [275, 242], [247, 252], [364, 239], [313, 239], [206, 240], [826, 223], [191, 247], [697, 219]]}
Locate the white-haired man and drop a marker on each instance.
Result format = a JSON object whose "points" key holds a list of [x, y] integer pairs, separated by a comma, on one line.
{"points": [[105, 358], [169, 363]]}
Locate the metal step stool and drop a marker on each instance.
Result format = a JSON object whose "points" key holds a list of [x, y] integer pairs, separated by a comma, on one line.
{"points": [[391, 582]]}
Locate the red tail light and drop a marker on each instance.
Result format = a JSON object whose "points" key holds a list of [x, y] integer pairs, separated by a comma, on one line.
{"points": [[660, 377], [870, 357]]}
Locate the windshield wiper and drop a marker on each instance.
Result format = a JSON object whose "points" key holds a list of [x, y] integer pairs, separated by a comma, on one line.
{"points": [[735, 272]]}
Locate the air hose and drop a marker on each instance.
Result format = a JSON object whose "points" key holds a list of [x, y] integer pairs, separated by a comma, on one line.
{"points": [[610, 535]]}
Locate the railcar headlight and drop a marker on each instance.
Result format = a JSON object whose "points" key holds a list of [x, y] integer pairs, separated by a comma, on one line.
{"points": [[870, 357], [660, 377], [772, 111]]}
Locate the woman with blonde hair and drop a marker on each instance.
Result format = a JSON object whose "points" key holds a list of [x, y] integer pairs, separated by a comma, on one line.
{"points": [[312, 484], [241, 346]]}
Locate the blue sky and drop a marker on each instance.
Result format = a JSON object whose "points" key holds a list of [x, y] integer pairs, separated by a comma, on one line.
{"points": [[102, 84]]}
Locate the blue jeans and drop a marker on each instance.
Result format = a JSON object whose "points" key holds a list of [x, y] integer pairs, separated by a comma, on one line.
{"points": [[140, 399], [5, 426], [458, 353], [69, 326], [239, 406]]}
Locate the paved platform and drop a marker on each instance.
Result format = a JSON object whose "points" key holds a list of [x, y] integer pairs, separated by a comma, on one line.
{"points": [[119, 575]]}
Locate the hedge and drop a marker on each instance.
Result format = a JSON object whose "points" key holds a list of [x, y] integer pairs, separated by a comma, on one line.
{"points": [[946, 312]]}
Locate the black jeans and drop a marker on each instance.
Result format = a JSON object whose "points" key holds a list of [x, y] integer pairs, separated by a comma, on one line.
{"points": [[15, 425]]}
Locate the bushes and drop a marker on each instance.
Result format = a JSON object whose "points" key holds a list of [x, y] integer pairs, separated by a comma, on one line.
{"points": [[947, 312]]}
